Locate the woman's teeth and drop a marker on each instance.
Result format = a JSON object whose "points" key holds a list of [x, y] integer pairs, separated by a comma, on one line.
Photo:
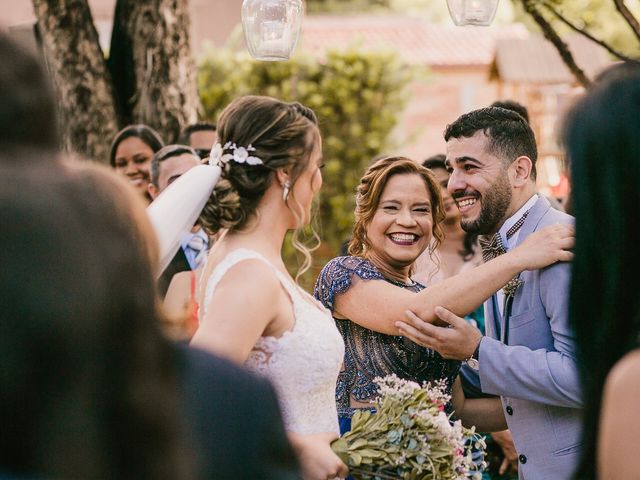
{"points": [[403, 237]]}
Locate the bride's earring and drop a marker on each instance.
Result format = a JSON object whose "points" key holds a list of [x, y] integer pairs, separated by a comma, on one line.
{"points": [[285, 190]]}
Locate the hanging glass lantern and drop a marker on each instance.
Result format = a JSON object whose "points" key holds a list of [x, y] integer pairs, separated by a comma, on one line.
{"points": [[271, 27], [472, 12]]}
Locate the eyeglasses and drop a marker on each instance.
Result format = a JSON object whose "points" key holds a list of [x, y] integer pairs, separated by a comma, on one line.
{"points": [[202, 152]]}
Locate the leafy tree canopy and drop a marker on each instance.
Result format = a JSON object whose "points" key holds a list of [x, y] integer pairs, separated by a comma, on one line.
{"points": [[358, 96]]}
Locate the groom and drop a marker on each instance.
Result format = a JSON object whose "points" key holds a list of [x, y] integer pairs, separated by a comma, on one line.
{"points": [[528, 354]]}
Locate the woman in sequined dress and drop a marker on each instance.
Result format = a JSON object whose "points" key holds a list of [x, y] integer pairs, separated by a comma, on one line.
{"points": [[398, 211]]}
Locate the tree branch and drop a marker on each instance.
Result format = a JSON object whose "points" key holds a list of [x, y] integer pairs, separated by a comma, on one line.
{"points": [[583, 32], [551, 35], [628, 16]]}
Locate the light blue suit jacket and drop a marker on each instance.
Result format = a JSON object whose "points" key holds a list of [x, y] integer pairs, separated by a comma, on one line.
{"points": [[528, 358]]}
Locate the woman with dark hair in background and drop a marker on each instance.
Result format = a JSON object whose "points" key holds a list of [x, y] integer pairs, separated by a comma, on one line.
{"points": [[602, 138], [459, 250], [131, 152]]}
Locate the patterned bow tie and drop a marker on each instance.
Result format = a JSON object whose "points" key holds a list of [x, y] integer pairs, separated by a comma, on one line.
{"points": [[493, 247]]}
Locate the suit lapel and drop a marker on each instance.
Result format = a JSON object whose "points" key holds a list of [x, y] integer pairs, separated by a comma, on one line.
{"points": [[530, 224], [495, 317], [536, 213]]}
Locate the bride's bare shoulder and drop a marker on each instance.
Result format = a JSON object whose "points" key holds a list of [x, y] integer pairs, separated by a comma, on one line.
{"points": [[624, 377]]}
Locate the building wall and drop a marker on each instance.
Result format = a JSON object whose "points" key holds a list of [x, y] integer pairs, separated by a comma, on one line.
{"points": [[445, 94]]}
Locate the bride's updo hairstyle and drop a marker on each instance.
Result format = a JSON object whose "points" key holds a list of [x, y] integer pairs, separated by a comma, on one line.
{"points": [[281, 134]]}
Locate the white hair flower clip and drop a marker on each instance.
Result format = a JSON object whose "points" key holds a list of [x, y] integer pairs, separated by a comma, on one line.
{"points": [[239, 155]]}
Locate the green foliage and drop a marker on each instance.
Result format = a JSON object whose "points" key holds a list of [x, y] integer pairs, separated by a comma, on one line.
{"points": [[598, 17], [358, 97]]}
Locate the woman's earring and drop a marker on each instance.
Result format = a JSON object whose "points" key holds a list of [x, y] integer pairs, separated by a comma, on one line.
{"points": [[285, 190]]}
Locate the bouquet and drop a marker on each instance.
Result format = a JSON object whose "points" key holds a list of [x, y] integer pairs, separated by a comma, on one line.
{"points": [[410, 437]]}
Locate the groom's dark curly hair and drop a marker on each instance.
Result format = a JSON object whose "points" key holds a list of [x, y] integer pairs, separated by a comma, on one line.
{"points": [[510, 136]]}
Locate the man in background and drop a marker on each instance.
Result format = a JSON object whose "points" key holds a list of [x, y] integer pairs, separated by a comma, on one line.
{"points": [[200, 136], [167, 165]]}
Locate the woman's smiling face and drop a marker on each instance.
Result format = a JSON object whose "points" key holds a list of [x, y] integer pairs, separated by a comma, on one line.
{"points": [[132, 160], [402, 225]]}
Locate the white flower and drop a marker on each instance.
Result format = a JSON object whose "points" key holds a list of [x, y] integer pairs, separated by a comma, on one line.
{"points": [[240, 155], [215, 157]]}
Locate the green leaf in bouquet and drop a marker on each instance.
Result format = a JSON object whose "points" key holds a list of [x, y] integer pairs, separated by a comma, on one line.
{"points": [[367, 452], [358, 443], [412, 444], [355, 459], [339, 445], [359, 417], [394, 436], [406, 420]]}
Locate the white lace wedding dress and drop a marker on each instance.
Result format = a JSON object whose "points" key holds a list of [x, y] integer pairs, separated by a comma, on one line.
{"points": [[303, 364]]}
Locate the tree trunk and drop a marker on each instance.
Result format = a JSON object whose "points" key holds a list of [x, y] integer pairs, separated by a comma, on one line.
{"points": [[80, 75], [166, 93]]}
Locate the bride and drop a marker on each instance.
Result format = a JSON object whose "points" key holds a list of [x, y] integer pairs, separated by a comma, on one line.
{"points": [[252, 311]]}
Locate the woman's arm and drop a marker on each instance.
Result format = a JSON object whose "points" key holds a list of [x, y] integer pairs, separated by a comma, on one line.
{"points": [[377, 305], [244, 304], [484, 413], [317, 460], [620, 421]]}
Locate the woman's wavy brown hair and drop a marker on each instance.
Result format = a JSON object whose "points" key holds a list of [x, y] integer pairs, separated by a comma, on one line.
{"points": [[370, 190], [283, 136]]}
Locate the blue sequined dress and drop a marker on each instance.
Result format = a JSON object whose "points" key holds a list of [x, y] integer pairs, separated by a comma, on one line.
{"points": [[370, 354]]}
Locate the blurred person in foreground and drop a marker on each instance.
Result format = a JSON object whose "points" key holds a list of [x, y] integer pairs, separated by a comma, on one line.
{"points": [[90, 388], [603, 146], [88, 385]]}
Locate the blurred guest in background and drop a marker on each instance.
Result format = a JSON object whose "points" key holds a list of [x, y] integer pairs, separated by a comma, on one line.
{"points": [[131, 152], [200, 136], [168, 164], [459, 250]]}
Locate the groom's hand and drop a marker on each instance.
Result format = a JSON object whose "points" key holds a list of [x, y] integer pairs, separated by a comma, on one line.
{"points": [[458, 340]]}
